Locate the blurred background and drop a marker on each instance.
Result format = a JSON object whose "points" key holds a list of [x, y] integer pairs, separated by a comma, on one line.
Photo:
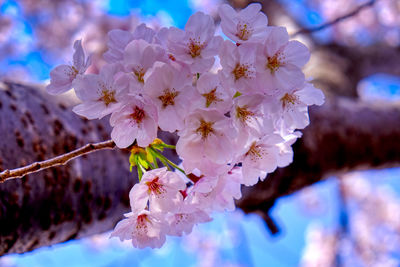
{"points": [[351, 220]]}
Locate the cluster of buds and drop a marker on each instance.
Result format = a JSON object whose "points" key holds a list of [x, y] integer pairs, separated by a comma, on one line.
{"points": [[236, 117]]}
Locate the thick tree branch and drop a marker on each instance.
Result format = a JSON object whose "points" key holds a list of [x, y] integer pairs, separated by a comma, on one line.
{"points": [[90, 194], [56, 161], [343, 135]]}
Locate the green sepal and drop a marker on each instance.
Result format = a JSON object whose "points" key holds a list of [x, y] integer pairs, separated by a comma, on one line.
{"points": [[237, 94], [143, 162], [149, 155]]}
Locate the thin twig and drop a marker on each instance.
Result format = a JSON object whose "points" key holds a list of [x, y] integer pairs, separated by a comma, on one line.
{"points": [[337, 20], [56, 161]]}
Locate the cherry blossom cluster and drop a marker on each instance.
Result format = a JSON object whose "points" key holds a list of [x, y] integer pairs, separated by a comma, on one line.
{"points": [[234, 103]]}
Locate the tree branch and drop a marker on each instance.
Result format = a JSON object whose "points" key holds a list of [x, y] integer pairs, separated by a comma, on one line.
{"points": [[343, 135], [56, 161], [335, 21]]}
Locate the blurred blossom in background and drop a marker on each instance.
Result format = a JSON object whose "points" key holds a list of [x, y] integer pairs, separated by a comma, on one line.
{"points": [[352, 220]]}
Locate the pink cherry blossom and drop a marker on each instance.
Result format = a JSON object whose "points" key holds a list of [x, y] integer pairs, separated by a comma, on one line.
{"points": [[235, 107], [102, 93], [212, 94], [279, 61], [161, 188], [136, 120], [196, 45], [285, 148], [228, 189], [293, 106], [171, 91], [238, 66], [139, 57], [260, 158], [142, 32], [247, 25], [144, 228], [217, 193], [224, 189], [63, 76], [207, 134], [206, 165], [183, 220], [250, 117], [119, 39]]}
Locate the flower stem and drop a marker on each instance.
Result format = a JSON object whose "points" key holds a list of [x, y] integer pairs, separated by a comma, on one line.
{"points": [[163, 158]]}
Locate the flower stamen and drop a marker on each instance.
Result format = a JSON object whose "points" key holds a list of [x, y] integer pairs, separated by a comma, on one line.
{"points": [[155, 187], [107, 97], [168, 98], [243, 114], [211, 97], [241, 70], [274, 62], [255, 152], [289, 100], [139, 73], [195, 47], [243, 31], [138, 114], [205, 128]]}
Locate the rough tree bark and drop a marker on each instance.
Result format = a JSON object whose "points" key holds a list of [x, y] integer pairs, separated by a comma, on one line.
{"points": [[90, 194]]}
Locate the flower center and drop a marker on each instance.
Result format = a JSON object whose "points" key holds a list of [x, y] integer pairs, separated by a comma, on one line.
{"points": [[241, 70], [211, 97], [181, 218], [243, 114], [195, 47], [170, 56], [141, 222], [75, 71], [168, 98], [205, 128], [289, 100], [138, 114], [155, 187], [243, 31], [139, 73], [274, 63], [255, 152], [107, 97]]}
